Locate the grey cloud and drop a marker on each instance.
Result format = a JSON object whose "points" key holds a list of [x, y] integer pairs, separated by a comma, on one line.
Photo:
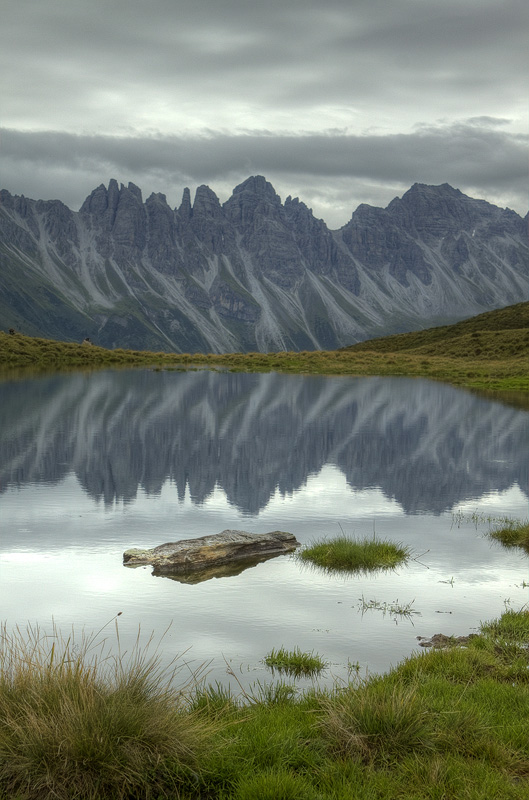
{"points": [[127, 89], [479, 153], [299, 51]]}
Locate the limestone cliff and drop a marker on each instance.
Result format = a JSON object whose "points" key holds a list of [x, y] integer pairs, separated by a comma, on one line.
{"points": [[253, 273]]}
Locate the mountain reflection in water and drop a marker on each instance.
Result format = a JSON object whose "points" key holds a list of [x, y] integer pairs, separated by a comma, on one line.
{"points": [[426, 445]]}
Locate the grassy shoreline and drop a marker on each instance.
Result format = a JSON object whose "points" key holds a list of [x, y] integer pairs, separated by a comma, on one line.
{"points": [[23, 355], [445, 723]]}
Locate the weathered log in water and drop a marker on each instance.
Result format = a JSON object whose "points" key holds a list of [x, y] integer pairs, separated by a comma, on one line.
{"points": [[191, 555]]}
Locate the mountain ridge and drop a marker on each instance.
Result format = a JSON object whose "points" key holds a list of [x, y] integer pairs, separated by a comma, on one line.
{"points": [[252, 273]]}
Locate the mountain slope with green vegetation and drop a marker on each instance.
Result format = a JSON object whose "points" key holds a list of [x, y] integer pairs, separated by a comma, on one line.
{"points": [[503, 333], [487, 352]]}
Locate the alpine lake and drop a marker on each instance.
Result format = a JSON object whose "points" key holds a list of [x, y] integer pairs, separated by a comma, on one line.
{"points": [[92, 464]]}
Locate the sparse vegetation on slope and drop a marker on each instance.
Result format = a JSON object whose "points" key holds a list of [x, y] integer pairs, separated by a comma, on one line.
{"points": [[502, 333]]}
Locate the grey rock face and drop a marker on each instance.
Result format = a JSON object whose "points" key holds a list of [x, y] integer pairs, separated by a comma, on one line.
{"points": [[253, 273]]}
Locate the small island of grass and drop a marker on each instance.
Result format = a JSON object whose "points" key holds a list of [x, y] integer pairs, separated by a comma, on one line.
{"points": [[347, 554], [295, 662], [514, 533]]}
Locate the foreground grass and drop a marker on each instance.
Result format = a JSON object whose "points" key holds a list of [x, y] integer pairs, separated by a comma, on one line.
{"points": [[75, 722], [443, 724], [346, 554], [489, 352]]}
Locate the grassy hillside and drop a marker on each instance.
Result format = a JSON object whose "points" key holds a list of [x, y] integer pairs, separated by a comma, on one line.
{"points": [[490, 351], [503, 333]]}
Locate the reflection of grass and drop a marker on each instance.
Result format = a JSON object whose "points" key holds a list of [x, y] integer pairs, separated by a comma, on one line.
{"points": [[295, 662], [394, 609], [478, 518], [512, 534], [344, 553]]}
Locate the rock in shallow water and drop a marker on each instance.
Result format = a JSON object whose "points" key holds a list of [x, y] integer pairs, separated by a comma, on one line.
{"points": [[209, 551]]}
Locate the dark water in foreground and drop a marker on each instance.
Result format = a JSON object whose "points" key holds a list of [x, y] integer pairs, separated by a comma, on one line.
{"points": [[93, 464]]}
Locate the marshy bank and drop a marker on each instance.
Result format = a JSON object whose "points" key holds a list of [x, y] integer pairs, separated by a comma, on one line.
{"points": [[78, 724]]}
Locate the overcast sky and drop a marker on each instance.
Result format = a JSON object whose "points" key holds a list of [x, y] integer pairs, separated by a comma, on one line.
{"points": [[338, 102]]}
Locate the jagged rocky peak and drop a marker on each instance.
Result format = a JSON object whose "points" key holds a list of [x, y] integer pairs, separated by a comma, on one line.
{"points": [[208, 221], [206, 203], [158, 199], [103, 200], [254, 273], [161, 227], [134, 190], [118, 210], [439, 211], [185, 210], [102, 203], [254, 197], [297, 209], [59, 223]]}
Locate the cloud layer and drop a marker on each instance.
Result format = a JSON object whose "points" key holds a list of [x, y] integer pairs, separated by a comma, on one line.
{"points": [[341, 103]]}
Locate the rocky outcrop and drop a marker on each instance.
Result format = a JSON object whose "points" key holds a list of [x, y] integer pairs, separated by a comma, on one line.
{"points": [[211, 552], [253, 273]]}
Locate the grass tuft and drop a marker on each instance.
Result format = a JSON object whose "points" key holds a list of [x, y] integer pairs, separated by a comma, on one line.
{"points": [[275, 784], [394, 609], [295, 662], [76, 723], [378, 722], [346, 554], [512, 534]]}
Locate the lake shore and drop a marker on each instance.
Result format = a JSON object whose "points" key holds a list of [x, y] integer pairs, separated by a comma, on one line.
{"points": [[508, 374], [441, 720]]}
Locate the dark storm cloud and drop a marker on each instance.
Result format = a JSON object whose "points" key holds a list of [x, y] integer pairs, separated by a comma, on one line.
{"points": [[479, 154], [340, 99]]}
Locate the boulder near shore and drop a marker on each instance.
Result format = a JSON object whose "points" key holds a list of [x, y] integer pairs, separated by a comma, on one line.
{"points": [[226, 547]]}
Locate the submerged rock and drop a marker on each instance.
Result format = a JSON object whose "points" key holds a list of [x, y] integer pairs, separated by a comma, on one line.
{"points": [[191, 555], [441, 641]]}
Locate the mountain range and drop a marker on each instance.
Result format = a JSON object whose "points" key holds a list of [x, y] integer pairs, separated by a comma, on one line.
{"points": [[253, 273]]}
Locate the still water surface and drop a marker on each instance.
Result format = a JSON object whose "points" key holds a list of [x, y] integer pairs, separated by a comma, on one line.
{"points": [[93, 464]]}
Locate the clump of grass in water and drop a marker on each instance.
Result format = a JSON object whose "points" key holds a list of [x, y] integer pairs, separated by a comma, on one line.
{"points": [[77, 722], [514, 533], [346, 554], [295, 662]]}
